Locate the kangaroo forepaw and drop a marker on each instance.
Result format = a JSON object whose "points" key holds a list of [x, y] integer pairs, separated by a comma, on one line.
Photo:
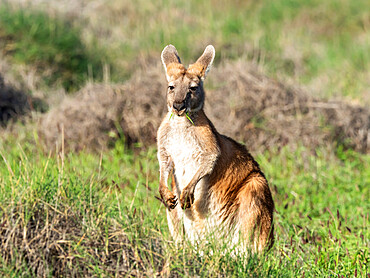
{"points": [[186, 198], [169, 200]]}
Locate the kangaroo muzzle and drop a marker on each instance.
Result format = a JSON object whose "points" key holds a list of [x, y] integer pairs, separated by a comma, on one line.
{"points": [[179, 107]]}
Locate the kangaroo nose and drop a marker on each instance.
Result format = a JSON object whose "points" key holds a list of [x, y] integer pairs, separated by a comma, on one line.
{"points": [[179, 106]]}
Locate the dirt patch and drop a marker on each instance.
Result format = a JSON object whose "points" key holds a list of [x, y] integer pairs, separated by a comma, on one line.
{"points": [[241, 102]]}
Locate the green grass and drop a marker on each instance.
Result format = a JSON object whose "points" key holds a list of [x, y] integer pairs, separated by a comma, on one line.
{"points": [[322, 219], [52, 46], [322, 44]]}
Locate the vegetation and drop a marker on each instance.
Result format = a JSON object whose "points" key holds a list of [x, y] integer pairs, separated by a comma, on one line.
{"points": [[323, 45], [96, 214], [50, 45], [115, 224]]}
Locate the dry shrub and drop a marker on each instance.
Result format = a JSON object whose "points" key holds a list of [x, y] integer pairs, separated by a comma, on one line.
{"points": [[99, 114], [265, 114], [145, 104], [241, 102], [56, 243], [87, 119]]}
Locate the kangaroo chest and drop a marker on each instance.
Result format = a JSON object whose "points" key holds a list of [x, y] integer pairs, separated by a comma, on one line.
{"points": [[185, 153]]}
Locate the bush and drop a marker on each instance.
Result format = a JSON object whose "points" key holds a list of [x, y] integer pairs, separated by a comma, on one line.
{"points": [[265, 114]]}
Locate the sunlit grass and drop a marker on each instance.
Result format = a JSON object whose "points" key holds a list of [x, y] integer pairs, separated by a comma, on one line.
{"points": [[52, 46], [321, 220], [324, 46]]}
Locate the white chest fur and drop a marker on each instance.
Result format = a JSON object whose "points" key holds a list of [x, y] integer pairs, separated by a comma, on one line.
{"points": [[184, 150], [187, 155]]}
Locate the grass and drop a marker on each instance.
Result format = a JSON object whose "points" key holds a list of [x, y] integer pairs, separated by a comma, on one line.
{"points": [[52, 46], [323, 45], [109, 222]]}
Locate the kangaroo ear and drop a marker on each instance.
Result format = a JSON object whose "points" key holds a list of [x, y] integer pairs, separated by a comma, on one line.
{"points": [[170, 59], [204, 63]]}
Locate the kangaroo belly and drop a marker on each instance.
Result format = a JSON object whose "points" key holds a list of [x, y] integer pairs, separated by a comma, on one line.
{"points": [[184, 173], [204, 228], [202, 222]]}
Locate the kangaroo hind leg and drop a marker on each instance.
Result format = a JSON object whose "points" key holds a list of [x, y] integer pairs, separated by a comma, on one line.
{"points": [[256, 213]]}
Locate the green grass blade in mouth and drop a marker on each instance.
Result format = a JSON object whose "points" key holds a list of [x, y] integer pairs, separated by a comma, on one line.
{"points": [[187, 116], [171, 116]]}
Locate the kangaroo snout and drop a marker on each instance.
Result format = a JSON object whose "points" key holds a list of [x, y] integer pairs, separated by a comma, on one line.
{"points": [[179, 106]]}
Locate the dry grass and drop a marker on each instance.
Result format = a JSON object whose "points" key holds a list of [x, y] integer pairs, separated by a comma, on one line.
{"points": [[15, 101], [87, 119], [99, 114], [242, 102], [264, 113], [52, 240]]}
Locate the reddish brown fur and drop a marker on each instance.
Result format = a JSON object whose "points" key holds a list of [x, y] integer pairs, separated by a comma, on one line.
{"points": [[196, 70], [175, 70]]}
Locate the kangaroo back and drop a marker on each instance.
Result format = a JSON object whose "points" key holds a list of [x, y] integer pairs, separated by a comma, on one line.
{"points": [[217, 186]]}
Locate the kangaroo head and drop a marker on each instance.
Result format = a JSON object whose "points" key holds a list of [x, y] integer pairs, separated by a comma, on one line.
{"points": [[185, 86]]}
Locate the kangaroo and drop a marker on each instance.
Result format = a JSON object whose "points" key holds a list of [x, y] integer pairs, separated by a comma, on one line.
{"points": [[219, 186]]}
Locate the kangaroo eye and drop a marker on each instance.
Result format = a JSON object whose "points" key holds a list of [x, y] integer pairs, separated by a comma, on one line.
{"points": [[171, 87], [193, 88]]}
